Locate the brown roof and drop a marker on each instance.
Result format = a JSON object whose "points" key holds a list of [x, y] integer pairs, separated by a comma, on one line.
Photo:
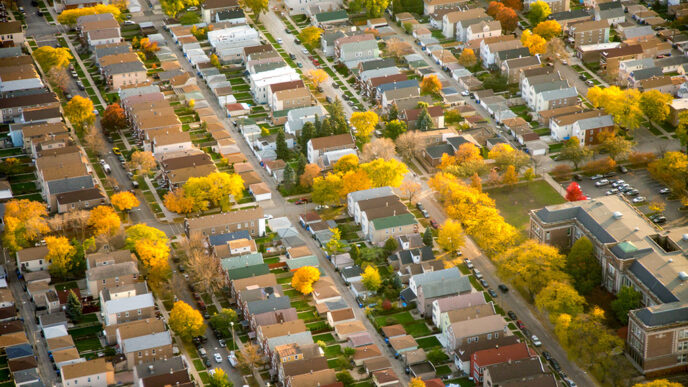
{"points": [[589, 25], [32, 253], [170, 137], [456, 16], [177, 379], [14, 338], [470, 312], [8, 312], [377, 81], [497, 355], [342, 315], [367, 352], [24, 363], [300, 251], [212, 4], [256, 49], [28, 100], [186, 161], [10, 27], [394, 209], [80, 196], [332, 141], [11, 327], [260, 281], [394, 330], [350, 327], [546, 114], [282, 329], [402, 342], [385, 376], [633, 49], [275, 87], [140, 328], [292, 93], [354, 39], [225, 218], [376, 364], [314, 379], [571, 118], [304, 366], [61, 166], [434, 111], [90, 367], [65, 355], [656, 82]]}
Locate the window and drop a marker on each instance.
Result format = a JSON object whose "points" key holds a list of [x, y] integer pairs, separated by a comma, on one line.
{"points": [[682, 346], [140, 353], [139, 312], [682, 358], [547, 236], [103, 282], [126, 314], [153, 351]]}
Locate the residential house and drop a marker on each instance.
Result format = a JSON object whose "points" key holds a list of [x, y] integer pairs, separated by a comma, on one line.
{"points": [[340, 316], [343, 330], [267, 332], [272, 317], [109, 276], [561, 126], [512, 68], [588, 129], [32, 259], [248, 219], [390, 96], [94, 373], [385, 378], [168, 141], [12, 34], [677, 106], [291, 99], [462, 355], [610, 59], [554, 5], [381, 229], [319, 148], [611, 11], [450, 20], [327, 40], [323, 377], [146, 348], [410, 116], [429, 292], [484, 29], [126, 303], [127, 330], [529, 370], [166, 372], [211, 8], [446, 304], [297, 118], [462, 314], [488, 51], [20, 77], [351, 50], [288, 353], [12, 107], [638, 33], [82, 199], [485, 328], [569, 17], [551, 99], [432, 6], [328, 18], [507, 354], [589, 32], [123, 74], [401, 344]]}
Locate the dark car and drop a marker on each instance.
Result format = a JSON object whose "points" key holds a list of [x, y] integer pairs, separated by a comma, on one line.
{"points": [[39, 13], [492, 293], [578, 177], [546, 355], [503, 288], [484, 283], [511, 315], [658, 219], [583, 77], [419, 206], [301, 201], [207, 362], [555, 364], [610, 174]]}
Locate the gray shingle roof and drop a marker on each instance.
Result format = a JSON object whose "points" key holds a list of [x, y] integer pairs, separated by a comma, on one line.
{"points": [[145, 342], [446, 287], [596, 122], [638, 31], [579, 214], [436, 151], [652, 283], [270, 304], [568, 15], [377, 64], [559, 93], [351, 271], [663, 314], [642, 74], [126, 67]]}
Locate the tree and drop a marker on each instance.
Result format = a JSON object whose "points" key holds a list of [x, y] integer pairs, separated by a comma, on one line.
{"points": [[385, 172], [476, 182], [424, 121], [49, 57], [216, 188], [60, 255], [327, 190], [93, 141], [467, 58], [410, 144], [375, 8], [494, 7], [626, 300], [398, 48], [655, 105], [410, 189], [74, 307], [507, 18], [205, 271], [309, 174], [509, 177], [548, 29], [600, 166], [504, 155], [223, 320], [450, 236], [559, 297], [682, 129], [58, 78], [574, 192], [79, 111], [437, 356], [428, 237], [334, 245], [394, 129], [219, 378], [154, 257], [656, 206], [346, 163], [354, 180], [672, 170], [371, 278], [304, 278], [124, 201], [215, 61], [583, 267], [177, 201], [417, 382], [574, 151], [379, 148], [364, 124], [148, 47], [430, 85], [658, 383], [143, 161], [113, 118], [536, 44], [317, 76], [186, 321], [531, 266], [617, 147], [142, 232], [282, 149], [345, 378], [69, 16], [514, 4], [104, 220], [538, 12], [310, 36]]}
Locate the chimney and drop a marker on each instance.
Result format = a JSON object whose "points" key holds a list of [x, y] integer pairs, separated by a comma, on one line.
{"points": [[171, 370]]}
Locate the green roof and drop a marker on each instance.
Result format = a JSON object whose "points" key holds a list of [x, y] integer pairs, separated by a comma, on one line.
{"points": [[248, 271], [394, 221], [296, 263], [627, 247], [280, 113], [241, 261], [331, 16]]}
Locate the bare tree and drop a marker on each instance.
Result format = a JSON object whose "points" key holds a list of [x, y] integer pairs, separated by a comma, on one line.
{"points": [[251, 357], [93, 140], [205, 271], [557, 48], [59, 223], [142, 160], [378, 148], [194, 244], [59, 78], [410, 144], [398, 48], [409, 189], [78, 221]]}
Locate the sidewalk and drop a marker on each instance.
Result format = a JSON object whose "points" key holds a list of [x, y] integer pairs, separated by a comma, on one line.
{"points": [[169, 216]]}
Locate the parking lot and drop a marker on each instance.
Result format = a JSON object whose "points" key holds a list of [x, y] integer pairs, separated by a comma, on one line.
{"points": [[647, 187]]}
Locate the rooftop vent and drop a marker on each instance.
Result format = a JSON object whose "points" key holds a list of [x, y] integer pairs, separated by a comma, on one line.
{"points": [[617, 215], [683, 276], [685, 237]]}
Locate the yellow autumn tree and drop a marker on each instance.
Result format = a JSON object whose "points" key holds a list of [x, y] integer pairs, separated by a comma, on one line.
{"points": [[467, 58], [79, 111], [216, 189], [177, 201], [25, 221], [70, 16], [371, 278], [346, 163], [384, 173], [124, 201], [140, 232], [548, 29], [317, 76], [49, 57], [450, 236], [304, 278], [186, 321], [104, 220], [352, 181], [430, 85], [364, 124], [153, 255], [536, 44], [417, 382], [60, 255], [310, 36]]}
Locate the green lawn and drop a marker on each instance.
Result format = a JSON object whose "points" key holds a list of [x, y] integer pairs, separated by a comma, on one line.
{"points": [[514, 203], [87, 331], [443, 370], [332, 351], [327, 338], [428, 342], [198, 364], [90, 344], [415, 328]]}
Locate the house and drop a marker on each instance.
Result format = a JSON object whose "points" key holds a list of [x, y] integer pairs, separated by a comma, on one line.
{"points": [[260, 82], [385, 378], [465, 313], [11, 107], [248, 219], [346, 329], [610, 59], [122, 74], [554, 5], [446, 304], [561, 126], [211, 8], [410, 294], [168, 141], [450, 19], [432, 6], [290, 99], [527, 370], [589, 32], [410, 116], [488, 51], [381, 229], [12, 34], [340, 316], [318, 148], [80, 199], [428, 292], [302, 367], [32, 259], [401, 344], [178, 167], [390, 96], [506, 354], [676, 107], [588, 129], [351, 274], [638, 33], [327, 40], [359, 340], [126, 303], [108, 276], [463, 354], [95, 373], [512, 68], [351, 50], [166, 372], [484, 328], [572, 16], [146, 348], [267, 332], [323, 377], [19, 77], [484, 29], [551, 99], [272, 317], [611, 11], [379, 208], [288, 353], [127, 330], [102, 36]]}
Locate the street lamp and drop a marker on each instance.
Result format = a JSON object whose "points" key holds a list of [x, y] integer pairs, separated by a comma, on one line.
{"points": [[231, 323]]}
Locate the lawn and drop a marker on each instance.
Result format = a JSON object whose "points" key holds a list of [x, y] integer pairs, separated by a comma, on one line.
{"points": [[205, 378], [84, 345], [415, 328], [327, 338], [198, 364], [428, 342], [514, 203], [332, 351], [443, 370], [87, 331]]}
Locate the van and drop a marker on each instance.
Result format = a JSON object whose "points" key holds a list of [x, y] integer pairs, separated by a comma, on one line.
{"points": [[202, 352], [107, 169]]}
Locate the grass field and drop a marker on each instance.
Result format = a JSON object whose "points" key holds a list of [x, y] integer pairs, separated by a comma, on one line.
{"points": [[327, 338], [514, 203], [428, 342], [91, 344]]}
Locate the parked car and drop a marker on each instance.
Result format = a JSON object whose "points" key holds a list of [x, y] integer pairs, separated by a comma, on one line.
{"points": [[577, 177], [503, 288], [623, 169], [555, 364], [468, 263], [536, 341], [570, 382], [218, 358], [232, 359], [520, 324], [665, 191], [116, 151], [492, 293], [600, 183], [434, 224], [419, 206], [301, 201], [511, 315], [546, 355], [658, 219], [639, 199], [612, 191], [425, 213], [477, 274], [596, 177], [484, 283]]}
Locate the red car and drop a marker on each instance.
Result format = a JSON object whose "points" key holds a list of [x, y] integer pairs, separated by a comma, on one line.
{"points": [[434, 223], [301, 201], [520, 324]]}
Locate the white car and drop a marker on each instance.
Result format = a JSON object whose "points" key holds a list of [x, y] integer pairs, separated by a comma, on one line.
{"points": [[231, 358], [129, 22], [218, 358], [596, 177], [664, 191], [639, 199], [602, 182], [465, 93], [612, 191], [305, 51], [279, 40], [268, 216], [477, 274], [536, 340]]}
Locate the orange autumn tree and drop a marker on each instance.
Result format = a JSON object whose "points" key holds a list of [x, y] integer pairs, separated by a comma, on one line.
{"points": [[304, 278], [430, 85]]}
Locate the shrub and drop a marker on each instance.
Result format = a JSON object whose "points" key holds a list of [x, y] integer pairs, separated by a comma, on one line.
{"points": [[641, 158], [600, 166], [560, 170]]}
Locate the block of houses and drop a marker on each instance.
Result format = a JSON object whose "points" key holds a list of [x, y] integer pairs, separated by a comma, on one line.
{"points": [[319, 148], [493, 356], [178, 167], [82, 199], [589, 32], [146, 348], [266, 332], [512, 68], [126, 303], [249, 219], [20, 77], [96, 373], [172, 371], [529, 370], [460, 332], [167, 141], [611, 59], [108, 276], [611, 11], [351, 50], [11, 107]]}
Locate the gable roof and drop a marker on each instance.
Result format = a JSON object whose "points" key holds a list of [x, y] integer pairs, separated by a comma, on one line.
{"points": [[503, 354], [327, 142], [89, 367], [394, 221]]}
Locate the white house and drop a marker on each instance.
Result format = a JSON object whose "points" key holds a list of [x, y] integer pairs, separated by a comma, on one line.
{"points": [[127, 308], [483, 30], [260, 82], [296, 118], [300, 7], [92, 373]]}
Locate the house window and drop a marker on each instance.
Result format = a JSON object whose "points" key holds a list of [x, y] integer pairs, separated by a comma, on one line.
{"points": [[103, 282], [547, 236], [682, 358], [139, 312], [126, 314], [140, 353], [682, 346], [153, 352]]}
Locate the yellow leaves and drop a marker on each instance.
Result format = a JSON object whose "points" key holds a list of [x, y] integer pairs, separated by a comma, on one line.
{"points": [[559, 297], [317, 76], [326, 190], [153, 254], [69, 16], [510, 177], [659, 383], [467, 58], [504, 155], [215, 61], [186, 321], [79, 111], [60, 255], [49, 57], [536, 44], [538, 11], [334, 245], [450, 236], [548, 29], [304, 278], [177, 201], [364, 123], [430, 85], [385, 172], [346, 163], [624, 105], [24, 223], [124, 201], [417, 382], [143, 161], [141, 232], [310, 172], [216, 188], [371, 278], [310, 36], [655, 105], [104, 220], [355, 180]]}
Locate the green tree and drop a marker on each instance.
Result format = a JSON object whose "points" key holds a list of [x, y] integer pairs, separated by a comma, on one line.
{"points": [[257, 6], [626, 300], [538, 12], [288, 176], [424, 121], [307, 132], [74, 307], [583, 267], [282, 150], [655, 105], [394, 129], [575, 152], [223, 321], [354, 252], [390, 246], [427, 236], [334, 245], [345, 378]]}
